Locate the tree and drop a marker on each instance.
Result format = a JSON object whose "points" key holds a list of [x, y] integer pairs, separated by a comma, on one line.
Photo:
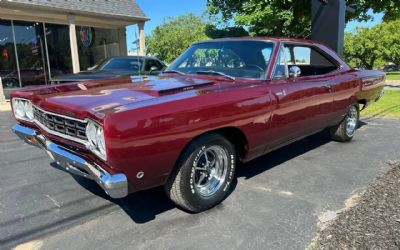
{"points": [[362, 48], [373, 47], [390, 41], [290, 17], [213, 32], [175, 35]]}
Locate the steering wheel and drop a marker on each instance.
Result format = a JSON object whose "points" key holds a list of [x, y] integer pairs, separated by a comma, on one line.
{"points": [[254, 66]]}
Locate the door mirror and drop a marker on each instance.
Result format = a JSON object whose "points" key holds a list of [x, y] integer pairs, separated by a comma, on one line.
{"points": [[294, 72], [153, 68]]}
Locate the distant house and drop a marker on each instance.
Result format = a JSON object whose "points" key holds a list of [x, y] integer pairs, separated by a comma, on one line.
{"points": [[43, 38]]}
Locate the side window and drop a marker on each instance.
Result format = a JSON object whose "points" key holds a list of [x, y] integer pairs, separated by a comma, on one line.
{"points": [[152, 63], [310, 60], [281, 69], [159, 65]]}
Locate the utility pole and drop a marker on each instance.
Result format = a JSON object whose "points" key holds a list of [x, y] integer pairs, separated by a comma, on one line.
{"points": [[328, 23]]}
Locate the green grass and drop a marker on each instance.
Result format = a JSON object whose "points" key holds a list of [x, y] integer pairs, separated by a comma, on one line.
{"points": [[388, 106], [395, 75]]}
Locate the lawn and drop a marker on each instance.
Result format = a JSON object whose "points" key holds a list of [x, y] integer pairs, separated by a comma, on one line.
{"points": [[388, 106], [395, 75]]}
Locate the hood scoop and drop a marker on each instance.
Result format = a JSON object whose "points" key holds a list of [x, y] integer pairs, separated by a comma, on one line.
{"points": [[168, 85], [185, 88]]}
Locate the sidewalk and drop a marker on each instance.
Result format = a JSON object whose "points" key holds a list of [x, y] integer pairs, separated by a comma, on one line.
{"points": [[5, 107], [392, 83]]}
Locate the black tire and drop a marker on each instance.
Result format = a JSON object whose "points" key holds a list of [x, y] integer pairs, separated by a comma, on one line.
{"points": [[342, 132], [181, 186]]}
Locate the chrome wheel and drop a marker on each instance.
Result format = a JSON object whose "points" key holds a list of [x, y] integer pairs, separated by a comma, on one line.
{"points": [[351, 122], [211, 170]]}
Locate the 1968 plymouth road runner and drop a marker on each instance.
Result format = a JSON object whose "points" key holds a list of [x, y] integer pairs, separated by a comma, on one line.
{"points": [[221, 103]]}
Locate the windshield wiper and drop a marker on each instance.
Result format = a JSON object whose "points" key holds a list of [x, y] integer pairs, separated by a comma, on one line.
{"points": [[215, 73], [174, 71]]}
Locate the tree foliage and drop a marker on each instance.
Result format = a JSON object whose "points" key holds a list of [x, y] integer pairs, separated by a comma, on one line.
{"points": [[361, 47], [290, 17], [213, 32], [175, 35], [373, 47], [390, 41]]}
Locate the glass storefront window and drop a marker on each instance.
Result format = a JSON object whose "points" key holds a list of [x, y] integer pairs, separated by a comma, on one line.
{"points": [[8, 64], [59, 49], [96, 44], [31, 53]]}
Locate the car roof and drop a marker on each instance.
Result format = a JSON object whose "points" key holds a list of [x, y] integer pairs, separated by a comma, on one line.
{"points": [[262, 38]]}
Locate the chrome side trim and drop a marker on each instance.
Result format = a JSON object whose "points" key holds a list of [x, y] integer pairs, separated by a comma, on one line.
{"points": [[115, 185]]}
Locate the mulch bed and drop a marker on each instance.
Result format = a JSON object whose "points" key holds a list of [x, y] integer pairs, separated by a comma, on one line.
{"points": [[373, 223]]}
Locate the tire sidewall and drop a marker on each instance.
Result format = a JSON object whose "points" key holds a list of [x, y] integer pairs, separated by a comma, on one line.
{"points": [[190, 192]]}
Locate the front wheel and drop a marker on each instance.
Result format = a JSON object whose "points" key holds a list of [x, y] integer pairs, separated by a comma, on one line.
{"points": [[346, 129], [204, 174]]}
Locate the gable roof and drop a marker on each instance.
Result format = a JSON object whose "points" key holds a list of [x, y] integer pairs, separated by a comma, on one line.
{"points": [[117, 8]]}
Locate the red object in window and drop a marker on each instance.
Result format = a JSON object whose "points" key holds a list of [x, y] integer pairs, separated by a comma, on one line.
{"points": [[5, 54]]}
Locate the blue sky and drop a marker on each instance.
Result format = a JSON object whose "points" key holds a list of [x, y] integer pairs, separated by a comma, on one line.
{"points": [[158, 10]]}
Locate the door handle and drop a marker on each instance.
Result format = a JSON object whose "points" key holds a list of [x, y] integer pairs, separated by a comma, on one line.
{"points": [[329, 88]]}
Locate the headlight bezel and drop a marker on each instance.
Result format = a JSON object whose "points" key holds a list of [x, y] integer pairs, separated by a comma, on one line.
{"points": [[96, 141], [21, 107]]}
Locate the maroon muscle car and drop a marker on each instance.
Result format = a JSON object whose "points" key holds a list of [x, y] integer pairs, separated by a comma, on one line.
{"points": [[221, 103]]}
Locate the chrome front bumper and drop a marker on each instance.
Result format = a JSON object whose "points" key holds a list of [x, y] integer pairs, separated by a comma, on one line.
{"points": [[116, 186]]}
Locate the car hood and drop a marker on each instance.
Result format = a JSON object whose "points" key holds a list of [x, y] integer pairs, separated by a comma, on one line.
{"points": [[102, 97], [91, 75]]}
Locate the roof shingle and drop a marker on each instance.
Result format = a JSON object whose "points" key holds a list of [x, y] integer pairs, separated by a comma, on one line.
{"points": [[121, 8]]}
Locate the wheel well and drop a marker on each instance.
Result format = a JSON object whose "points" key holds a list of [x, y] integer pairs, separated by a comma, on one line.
{"points": [[237, 138], [362, 102], [232, 134]]}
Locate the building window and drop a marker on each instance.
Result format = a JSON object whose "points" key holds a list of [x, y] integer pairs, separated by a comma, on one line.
{"points": [[8, 64], [59, 49], [30, 45], [96, 44]]}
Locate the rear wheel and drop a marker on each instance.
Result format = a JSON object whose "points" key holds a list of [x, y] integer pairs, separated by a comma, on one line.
{"points": [[204, 174], [347, 128]]}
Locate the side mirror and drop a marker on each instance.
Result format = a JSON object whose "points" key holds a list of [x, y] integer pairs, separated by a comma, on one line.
{"points": [[153, 68], [294, 72]]}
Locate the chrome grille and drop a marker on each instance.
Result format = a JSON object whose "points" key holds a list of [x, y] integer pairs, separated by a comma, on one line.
{"points": [[60, 124]]}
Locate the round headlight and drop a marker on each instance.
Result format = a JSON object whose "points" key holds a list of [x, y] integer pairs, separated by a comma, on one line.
{"points": [[19, 109], [95, 136], [100, 141], [91, 133], [29, 110]]}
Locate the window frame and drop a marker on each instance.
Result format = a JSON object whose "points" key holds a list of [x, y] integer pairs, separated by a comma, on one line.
{"points": [[312, 47], [280, 51]]}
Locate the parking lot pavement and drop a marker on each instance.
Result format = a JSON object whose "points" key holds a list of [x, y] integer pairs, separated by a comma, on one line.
{"points": [[276, 202]]}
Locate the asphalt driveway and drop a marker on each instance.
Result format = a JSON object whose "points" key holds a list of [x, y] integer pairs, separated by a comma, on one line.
{"points": [[277, 202]]}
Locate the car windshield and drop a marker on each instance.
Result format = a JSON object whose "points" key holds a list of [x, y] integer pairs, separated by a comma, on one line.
{"points": [[128, 64], [245, 59]]}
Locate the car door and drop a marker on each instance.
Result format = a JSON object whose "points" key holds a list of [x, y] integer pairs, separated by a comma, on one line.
{"points": [[302, 104]]}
